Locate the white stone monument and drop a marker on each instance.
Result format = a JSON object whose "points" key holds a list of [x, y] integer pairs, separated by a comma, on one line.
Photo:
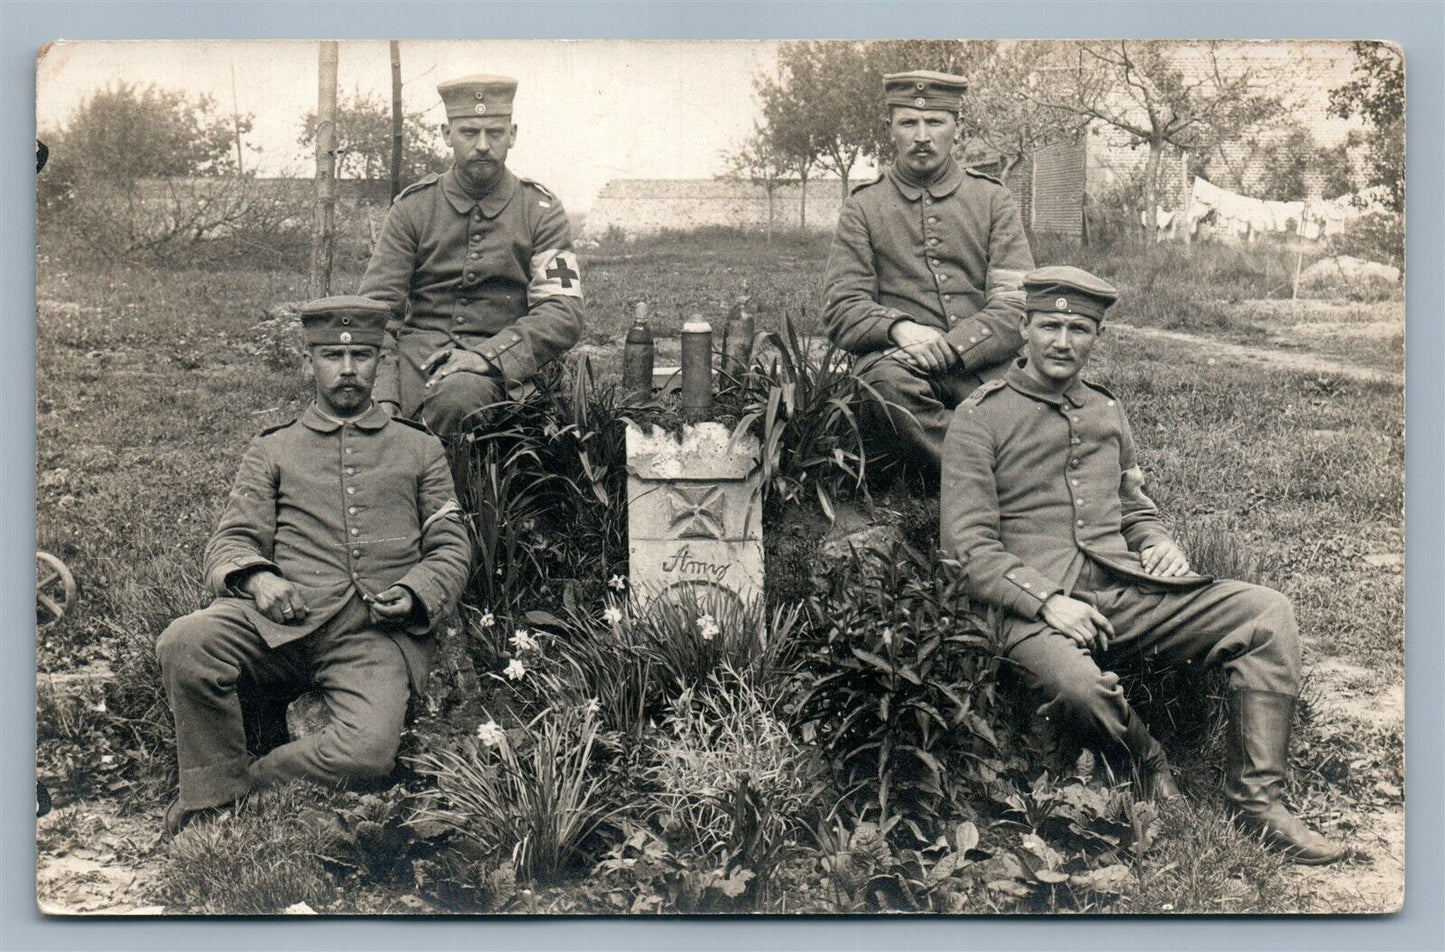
{"points": [[694, 513]]}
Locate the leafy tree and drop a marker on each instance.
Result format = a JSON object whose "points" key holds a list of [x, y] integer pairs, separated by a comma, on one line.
{"points": [[1013, 125], [789, 133], [125, 132], [1376, 94], [363, 140], [1283, 164], [757, 161], [1139, 87], [832, 96]]}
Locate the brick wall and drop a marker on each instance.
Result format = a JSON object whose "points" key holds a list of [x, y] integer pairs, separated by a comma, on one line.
{"points": [[1057, 184]]}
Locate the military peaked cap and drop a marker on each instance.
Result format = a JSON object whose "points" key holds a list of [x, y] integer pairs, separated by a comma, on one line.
{"points": [[925, 89], [344, 319], [476, 97], [1061, 289]]}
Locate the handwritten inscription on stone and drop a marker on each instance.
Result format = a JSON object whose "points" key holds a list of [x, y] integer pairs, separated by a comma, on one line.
{"points": [[683, 562]]}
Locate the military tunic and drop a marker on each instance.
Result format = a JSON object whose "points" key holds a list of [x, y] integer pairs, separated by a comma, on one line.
{"points": [[495, 275], [342, 509], [1042, 493], [951, 256]]}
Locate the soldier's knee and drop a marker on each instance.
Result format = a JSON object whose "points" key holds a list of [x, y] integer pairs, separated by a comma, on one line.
{"points": [[182, 649], [365, 758]]}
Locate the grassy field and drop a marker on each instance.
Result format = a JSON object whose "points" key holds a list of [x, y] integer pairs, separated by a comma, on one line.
{"points": [[151, 381]]}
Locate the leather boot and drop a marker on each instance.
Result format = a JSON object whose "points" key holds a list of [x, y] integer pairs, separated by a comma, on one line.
{"points": [[1257, 753], [1155, 777]]}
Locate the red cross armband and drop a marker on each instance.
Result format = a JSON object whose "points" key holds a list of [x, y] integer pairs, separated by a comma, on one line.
{"points": [[555, 273]]}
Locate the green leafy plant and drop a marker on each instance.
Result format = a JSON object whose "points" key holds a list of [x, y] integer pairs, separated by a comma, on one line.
{"points": [[528, 794], [731, 781], [896, 679], [802, 404], [643, 874]]}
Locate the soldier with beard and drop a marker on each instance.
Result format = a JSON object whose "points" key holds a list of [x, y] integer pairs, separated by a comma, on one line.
{"points": [[339, 551], [478, 269]]}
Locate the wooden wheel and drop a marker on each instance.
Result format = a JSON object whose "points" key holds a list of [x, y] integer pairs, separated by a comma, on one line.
{"points": [[54, 590]]}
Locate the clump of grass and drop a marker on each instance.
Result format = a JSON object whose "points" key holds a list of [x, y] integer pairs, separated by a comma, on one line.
{"points": [[1200, 864], [717, 741], [529, 794], [252, 859]]}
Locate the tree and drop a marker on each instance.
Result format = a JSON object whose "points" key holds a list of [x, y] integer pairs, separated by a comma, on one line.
{"points": [[1140, 88], [831, 94], [1376, 94], [788, 133], [758, 162], [1013, 125], [125, 133], [1282, 163], [364, 140]]}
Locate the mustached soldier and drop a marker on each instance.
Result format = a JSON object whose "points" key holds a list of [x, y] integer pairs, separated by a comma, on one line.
{"points": [[478, 269], [1043, 502], [923, 275], [340, 549]]}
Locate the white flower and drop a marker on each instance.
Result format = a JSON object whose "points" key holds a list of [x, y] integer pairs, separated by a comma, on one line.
{"points": [[617, 582], [515, 669], [486, 621], [490, 733], [523, 640], [612, 614], [99, 706], [592, 707], [707, 627]]}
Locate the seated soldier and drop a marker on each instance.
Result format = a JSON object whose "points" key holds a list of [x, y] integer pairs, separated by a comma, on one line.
{"points": [[340, 549], [1043, 502], [478, 268]]}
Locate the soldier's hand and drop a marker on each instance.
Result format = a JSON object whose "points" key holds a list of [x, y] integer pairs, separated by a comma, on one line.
{"points": [[277, 598], [923, 347], [444, 363], [392, 606], [1165, 560], [1078, 620]]}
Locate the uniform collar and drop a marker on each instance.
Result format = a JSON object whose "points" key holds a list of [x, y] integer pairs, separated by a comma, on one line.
{"points": [[945, 185], [491, 203], [373, 419], [1017, 378]]}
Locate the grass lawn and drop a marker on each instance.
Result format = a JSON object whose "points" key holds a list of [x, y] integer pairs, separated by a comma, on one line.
{"points": [[150, 383]]}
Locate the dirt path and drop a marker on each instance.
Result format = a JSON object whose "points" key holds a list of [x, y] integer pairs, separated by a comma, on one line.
{"points": [[1208, 349]]}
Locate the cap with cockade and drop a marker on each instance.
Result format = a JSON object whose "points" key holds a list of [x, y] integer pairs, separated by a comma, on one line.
{"points": [[925, 89], [344, 319], [1061, 289], [476, 97]]}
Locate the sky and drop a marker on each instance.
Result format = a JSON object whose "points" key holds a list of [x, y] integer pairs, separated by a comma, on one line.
{"points": [[587, 110]]}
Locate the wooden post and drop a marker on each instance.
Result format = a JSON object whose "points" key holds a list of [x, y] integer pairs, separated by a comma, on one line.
{"points": [[323, 248], [1186, 196], [396, 118]]}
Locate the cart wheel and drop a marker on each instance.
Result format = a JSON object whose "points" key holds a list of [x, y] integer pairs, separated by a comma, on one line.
{"points": [[54, 590]]}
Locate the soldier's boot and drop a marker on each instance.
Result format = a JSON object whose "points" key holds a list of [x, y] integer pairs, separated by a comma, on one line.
{"points": [[1257, 753], [1155, 778]]}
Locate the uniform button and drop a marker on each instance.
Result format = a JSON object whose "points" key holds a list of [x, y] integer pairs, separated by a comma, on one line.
{"points": [[1073, 462], [932, 242], [355, 531], [356, 553], [933, 219], [351, 490], [983, 331], [1027, 585], [1078, 502], [943, 277], [1081, 523], [350, 450], [1074, 482], [971, 340], [928, 201], [351, 510], [948, 297], [351, 470], [463, 302], [1075, 419], [933, 261], [1075, 441]]}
